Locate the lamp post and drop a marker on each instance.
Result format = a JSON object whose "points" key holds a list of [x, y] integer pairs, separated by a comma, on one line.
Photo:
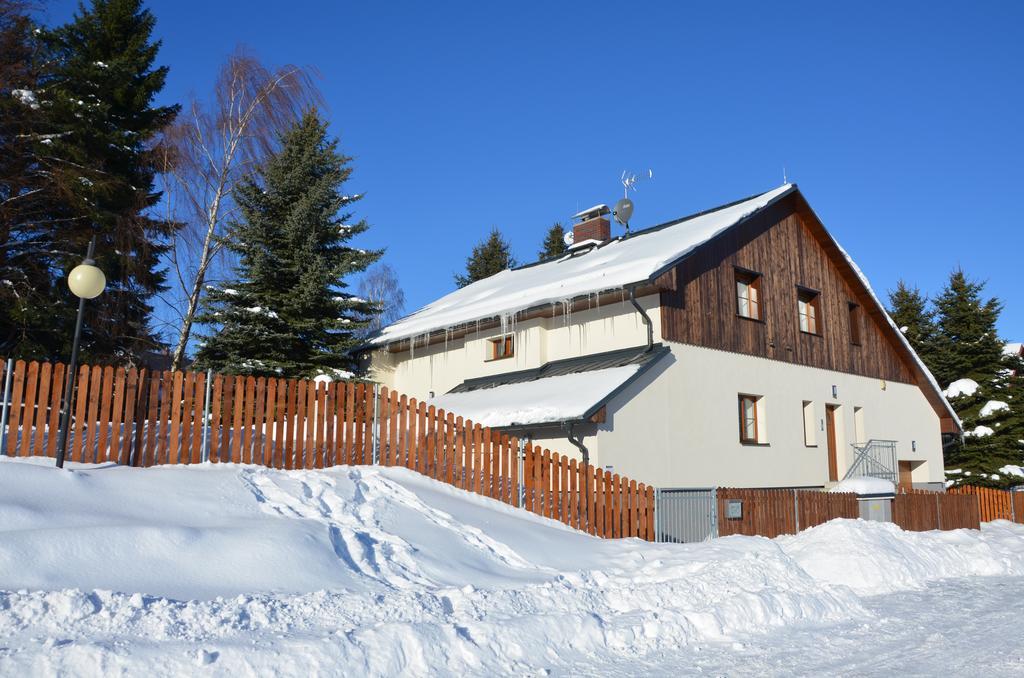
{"points": [[86, 282]]}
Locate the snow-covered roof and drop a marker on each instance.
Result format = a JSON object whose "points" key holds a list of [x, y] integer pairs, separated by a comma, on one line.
{"points": [[615, 265], [1013, 348], [569, 397]]}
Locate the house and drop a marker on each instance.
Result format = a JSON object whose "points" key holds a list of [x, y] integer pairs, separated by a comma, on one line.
{"points": [[739, 347]]}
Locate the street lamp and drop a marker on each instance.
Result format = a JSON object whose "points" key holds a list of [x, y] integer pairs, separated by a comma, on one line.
{"points": [[86, 282]]}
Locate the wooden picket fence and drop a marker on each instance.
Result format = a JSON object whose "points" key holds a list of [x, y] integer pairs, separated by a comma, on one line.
{"points": [[144, 418], [921, 510], [994, 504], [769, 513]]}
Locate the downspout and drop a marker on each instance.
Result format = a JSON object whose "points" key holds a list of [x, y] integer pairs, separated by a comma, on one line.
{"points": [[577, 442], [646, 319]]}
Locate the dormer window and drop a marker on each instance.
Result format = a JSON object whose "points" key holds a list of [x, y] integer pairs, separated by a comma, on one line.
{"points": [[809, 310], [748, 295], [502, 347]]}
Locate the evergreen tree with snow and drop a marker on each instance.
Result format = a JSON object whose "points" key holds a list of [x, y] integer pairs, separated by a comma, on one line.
{"points": [[908, 308], [287, 313], [28, 192], [96, 96], [554, 243], [492, 255], [968, 345], [969, 358]]}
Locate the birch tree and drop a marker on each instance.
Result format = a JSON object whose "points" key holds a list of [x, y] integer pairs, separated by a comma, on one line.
{"points": [[208, 153]]}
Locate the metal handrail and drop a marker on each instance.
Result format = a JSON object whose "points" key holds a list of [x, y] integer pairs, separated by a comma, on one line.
{"points": [[875, 458]]}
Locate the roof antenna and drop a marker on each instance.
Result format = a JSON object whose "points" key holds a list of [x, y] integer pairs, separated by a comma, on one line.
{"points": [[623, 209], [784, 180]]}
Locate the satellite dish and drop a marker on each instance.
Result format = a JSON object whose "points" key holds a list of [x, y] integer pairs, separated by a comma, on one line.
{"points": [[623, 211], [569, 238]]}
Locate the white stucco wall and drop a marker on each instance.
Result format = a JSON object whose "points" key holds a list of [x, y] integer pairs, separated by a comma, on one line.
{"points": [[441, 367], [678, 425]]}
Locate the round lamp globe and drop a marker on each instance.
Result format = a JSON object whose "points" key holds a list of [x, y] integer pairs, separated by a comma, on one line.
{"points": [[86, 281]]}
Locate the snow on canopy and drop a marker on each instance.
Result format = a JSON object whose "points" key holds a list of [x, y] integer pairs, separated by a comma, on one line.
{"points": [[543, 401], [961, 387], [865, 485], [993, 406], [616, 265]]}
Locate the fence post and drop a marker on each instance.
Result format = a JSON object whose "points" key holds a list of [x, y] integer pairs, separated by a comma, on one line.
{"points": [[796, 511], [206, 417], [375, 444], [714, 513], [1013, 508], [938, 511], [657, 515], [521, 499], [7, 396]]}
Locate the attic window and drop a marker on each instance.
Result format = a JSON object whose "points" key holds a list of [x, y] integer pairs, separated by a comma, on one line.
{"points": [[809, 310], [855, 323], [748, 294], [502, 347]]}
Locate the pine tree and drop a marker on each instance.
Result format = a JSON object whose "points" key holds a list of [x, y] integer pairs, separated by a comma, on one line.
{"points": [[490, 256], [909, 310], [968, 345], [98, 93], [28, 192], [554, 243], [288, 313]]}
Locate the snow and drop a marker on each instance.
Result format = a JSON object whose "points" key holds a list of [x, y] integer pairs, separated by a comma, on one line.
{"points": [[1012, 348], [262, 311], [961, 387], [993, 406], [27, 97], [1012, 470], [616, 265], [980, 432], [865, 485], [553, 399], [373, 571]]}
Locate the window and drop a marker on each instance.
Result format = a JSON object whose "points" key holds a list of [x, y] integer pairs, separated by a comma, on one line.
{"points": [[808, 307], [502, 347], [854, 323], [858, 425], [810, 431], [748, 419], [748, 294]]}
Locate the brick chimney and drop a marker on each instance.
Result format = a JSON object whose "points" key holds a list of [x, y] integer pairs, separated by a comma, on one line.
{"points": [[592, 226]]}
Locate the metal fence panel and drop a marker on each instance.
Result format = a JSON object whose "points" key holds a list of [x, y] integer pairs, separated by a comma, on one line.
{"points": [[686, 514]]}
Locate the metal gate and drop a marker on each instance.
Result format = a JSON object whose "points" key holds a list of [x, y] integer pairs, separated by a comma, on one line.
{"points": [[685, 514]]}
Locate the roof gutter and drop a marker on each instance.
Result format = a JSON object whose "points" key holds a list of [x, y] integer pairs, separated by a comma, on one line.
{"points": [[646, 318], [577, 441]]}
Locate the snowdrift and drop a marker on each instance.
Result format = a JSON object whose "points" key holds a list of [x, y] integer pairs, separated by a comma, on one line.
{"points": [[380, 571]]}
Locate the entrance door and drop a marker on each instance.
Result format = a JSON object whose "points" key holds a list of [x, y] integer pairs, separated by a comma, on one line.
{"points": [[905, 482], [830, 436]]}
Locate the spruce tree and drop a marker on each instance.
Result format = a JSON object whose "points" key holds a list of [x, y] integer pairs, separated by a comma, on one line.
{"points": [[490, 256], [909, 310], [968, 345], [28, 192], [98, 92], [288, 313], [554, 243]]}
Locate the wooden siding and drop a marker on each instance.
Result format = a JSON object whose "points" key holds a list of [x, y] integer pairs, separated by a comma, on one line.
{"points": [[701, 309]]}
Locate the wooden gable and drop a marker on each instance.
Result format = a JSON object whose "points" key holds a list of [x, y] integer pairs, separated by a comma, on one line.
{"points": [[791, 250]]}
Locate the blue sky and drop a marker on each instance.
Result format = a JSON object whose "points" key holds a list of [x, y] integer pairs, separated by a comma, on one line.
{"points": [[901, 122]]}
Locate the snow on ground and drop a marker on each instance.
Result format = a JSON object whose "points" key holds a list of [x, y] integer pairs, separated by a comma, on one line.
{"points": [[228, 569]]}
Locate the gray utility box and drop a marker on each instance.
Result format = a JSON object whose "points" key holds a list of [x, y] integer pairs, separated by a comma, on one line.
{"points": [[876, 507]]}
